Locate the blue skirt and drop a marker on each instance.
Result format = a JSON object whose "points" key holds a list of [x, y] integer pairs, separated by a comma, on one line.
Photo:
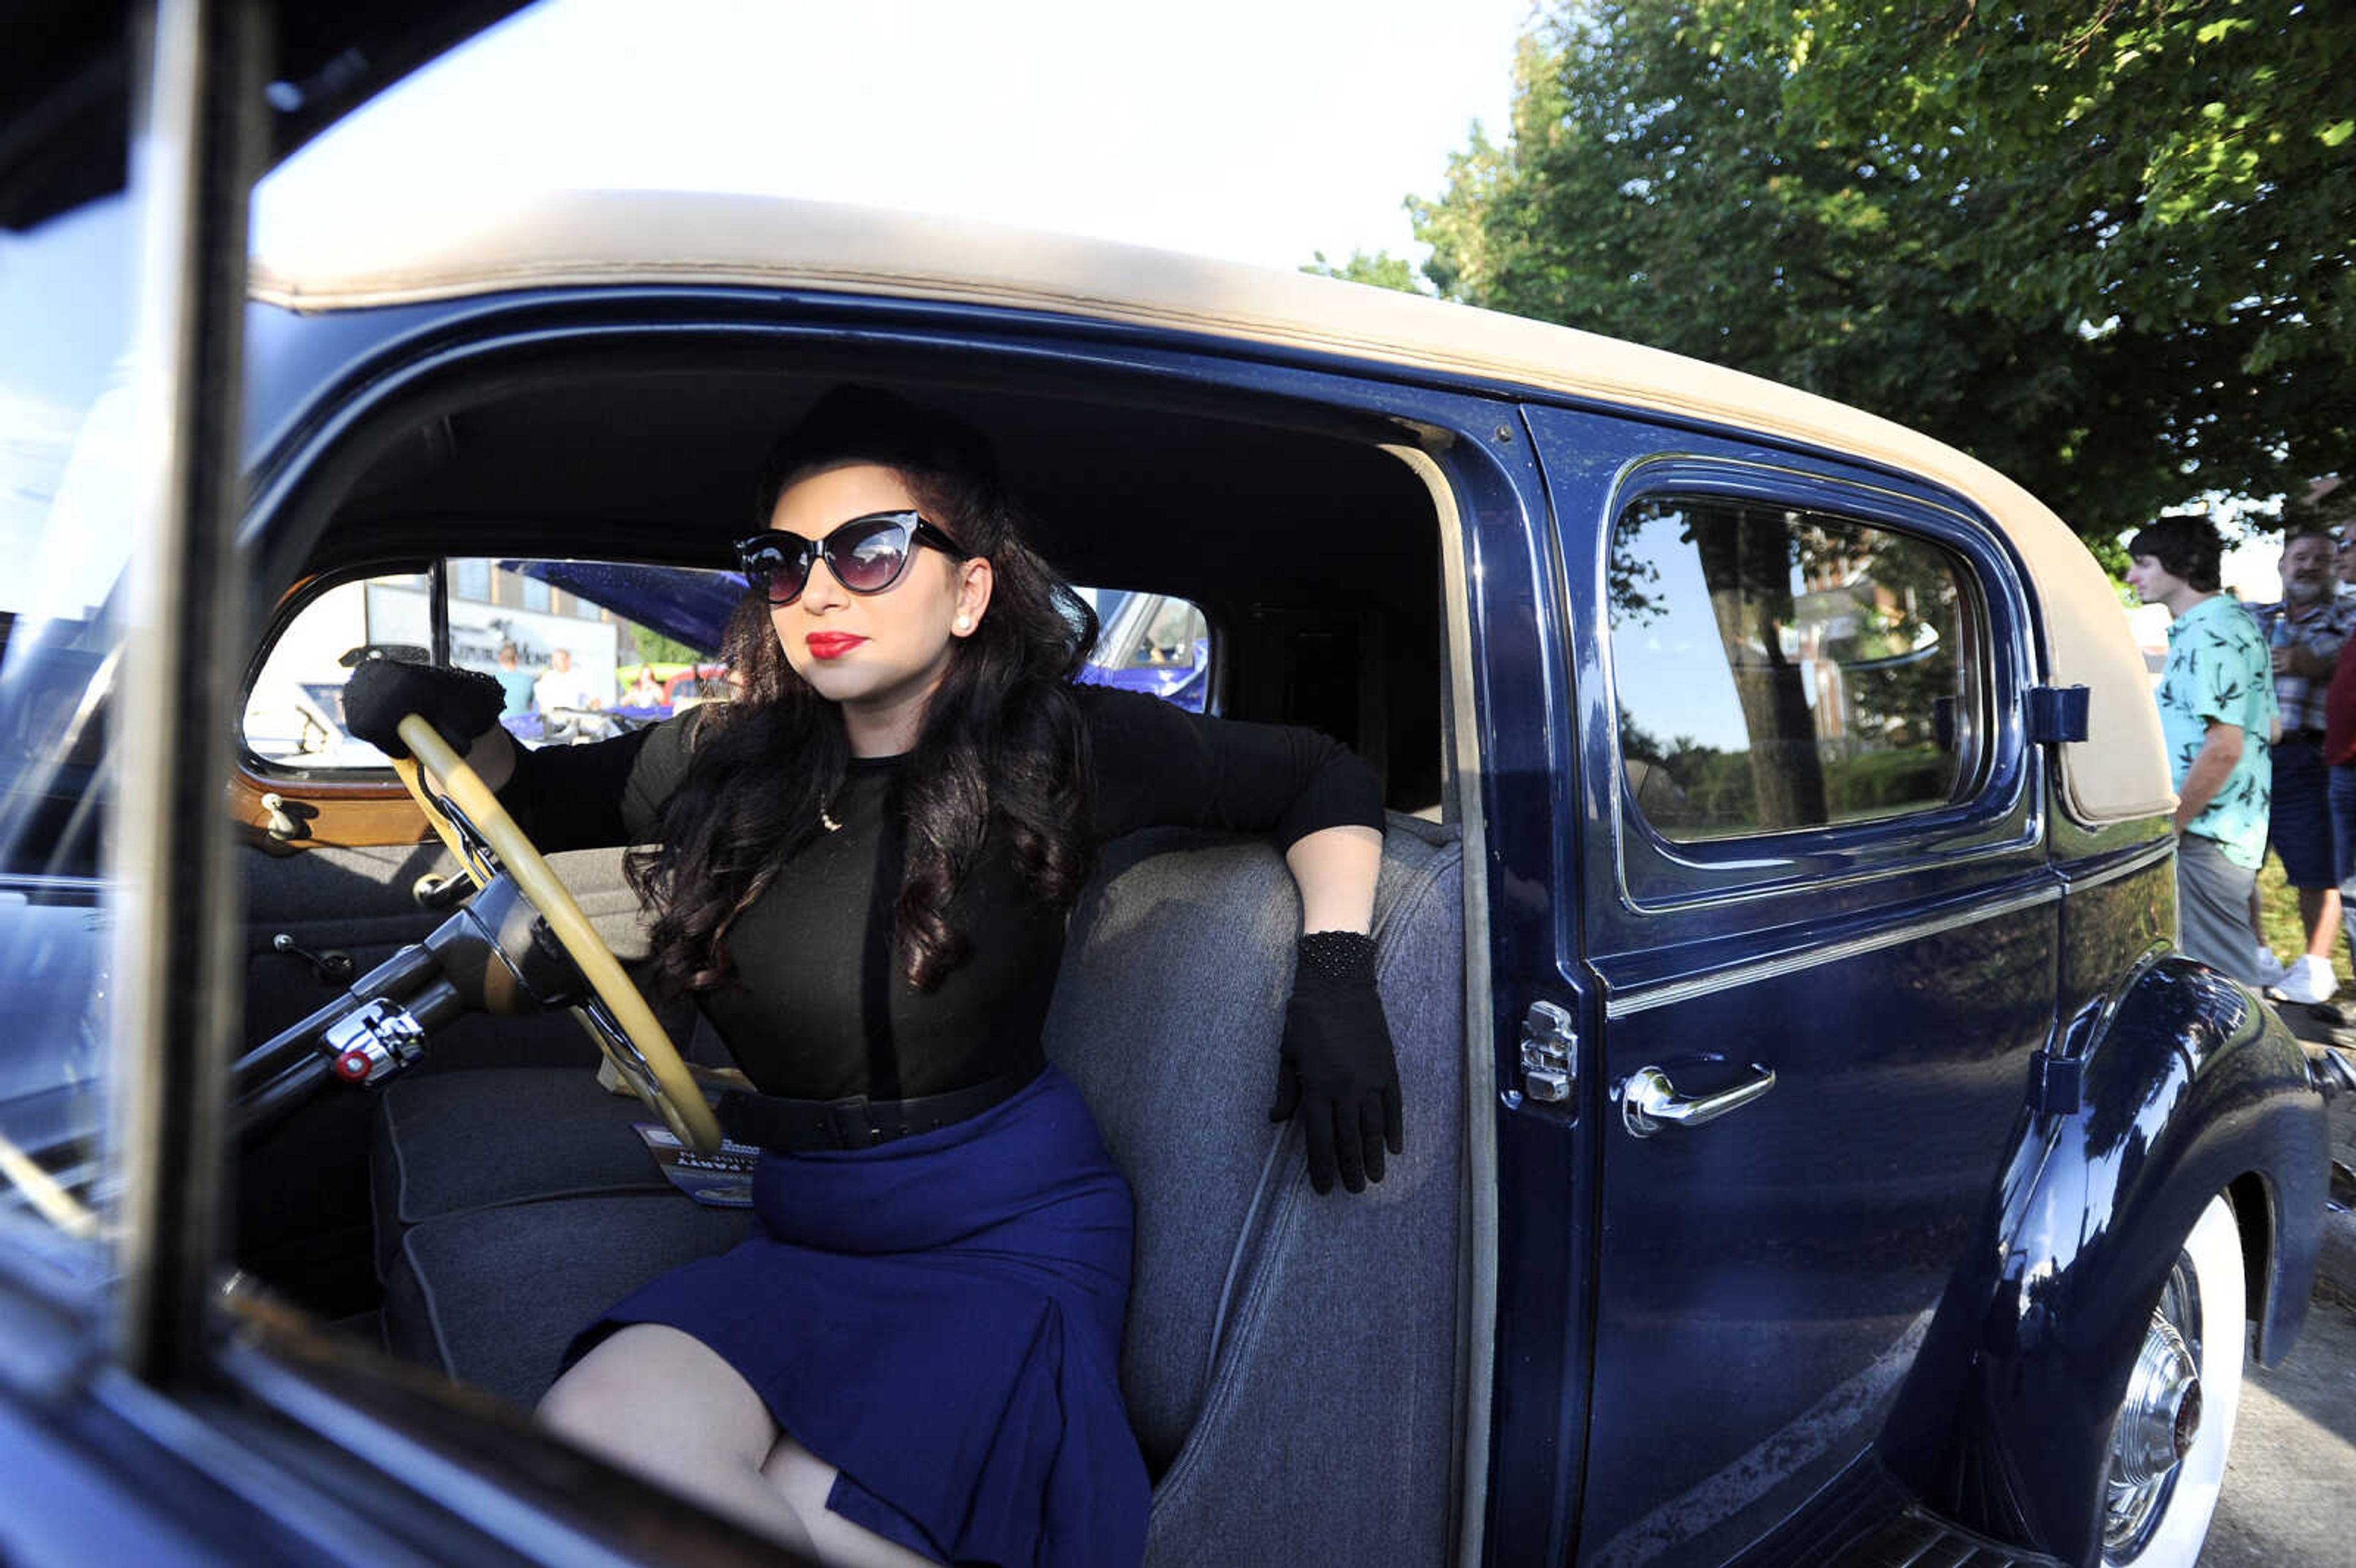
{"points": [[939, 1318]]}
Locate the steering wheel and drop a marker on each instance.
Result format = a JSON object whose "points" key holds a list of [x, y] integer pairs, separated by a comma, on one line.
{"points": [[486, 841]]}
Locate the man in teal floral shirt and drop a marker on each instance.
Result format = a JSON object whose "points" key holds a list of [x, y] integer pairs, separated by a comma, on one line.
{"points": [[2216, 713]]}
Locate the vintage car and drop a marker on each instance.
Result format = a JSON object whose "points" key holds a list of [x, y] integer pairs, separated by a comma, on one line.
{"points": [[1816, 1153]]}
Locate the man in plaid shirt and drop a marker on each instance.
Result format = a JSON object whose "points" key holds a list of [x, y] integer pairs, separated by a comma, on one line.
{"points": [[2305, 629]]}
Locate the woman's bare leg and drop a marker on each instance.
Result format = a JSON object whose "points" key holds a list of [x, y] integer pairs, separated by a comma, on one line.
{"points": [[664, 1404], [806, 1481]]}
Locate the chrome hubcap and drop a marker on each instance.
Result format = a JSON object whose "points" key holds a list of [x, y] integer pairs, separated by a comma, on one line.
{"points": [[2159, 1420], [2163, 1408]]}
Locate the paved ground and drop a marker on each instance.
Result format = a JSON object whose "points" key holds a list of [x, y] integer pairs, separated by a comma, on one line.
{"points": [[2290, 1487]]}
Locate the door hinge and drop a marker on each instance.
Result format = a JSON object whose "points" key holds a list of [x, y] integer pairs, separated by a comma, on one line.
{"points": [[1549, 1054], [2058, 712], [2057, 1084]]}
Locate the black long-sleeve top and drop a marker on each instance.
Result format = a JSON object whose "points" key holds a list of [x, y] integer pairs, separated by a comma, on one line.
{"points": [[820, 1008]]}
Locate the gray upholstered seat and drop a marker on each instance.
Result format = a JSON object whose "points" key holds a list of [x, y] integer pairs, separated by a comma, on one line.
{"points": [[1290, 1361]]}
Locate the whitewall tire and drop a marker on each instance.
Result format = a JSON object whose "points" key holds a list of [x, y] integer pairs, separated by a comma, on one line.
{"points": [[2175, 1422]]}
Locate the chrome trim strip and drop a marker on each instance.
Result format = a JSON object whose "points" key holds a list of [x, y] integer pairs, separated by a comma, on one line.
{"points": [[31, 884], [1476, 1316], [1627, 1003], [2142, 860]]}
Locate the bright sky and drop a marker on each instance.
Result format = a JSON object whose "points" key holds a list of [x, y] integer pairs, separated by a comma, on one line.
{"points": [[1253, 130]]}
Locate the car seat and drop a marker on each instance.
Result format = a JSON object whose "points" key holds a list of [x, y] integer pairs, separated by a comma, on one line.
{"points": [[1289, 1361]]}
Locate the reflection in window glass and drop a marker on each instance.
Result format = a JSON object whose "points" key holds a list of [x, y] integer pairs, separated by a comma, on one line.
{"points": [[1780, 669], [638, 644], [68, 460], [1152, 643]]}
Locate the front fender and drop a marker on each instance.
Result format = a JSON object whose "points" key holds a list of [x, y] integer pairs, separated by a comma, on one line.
{"points": [[2181, 1086]]}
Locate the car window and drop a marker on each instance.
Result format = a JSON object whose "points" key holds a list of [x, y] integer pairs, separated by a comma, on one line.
{"points": [[583, 650], [1778, 669], [1153, 643], [588, 649], [66, 509]]}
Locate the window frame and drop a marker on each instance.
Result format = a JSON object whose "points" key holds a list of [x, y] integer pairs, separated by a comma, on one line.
{"points": [[307, 595], [1654, 872]]}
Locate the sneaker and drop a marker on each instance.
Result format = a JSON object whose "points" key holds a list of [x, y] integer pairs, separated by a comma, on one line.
{"points": [[2309, 980], [2270, 970]]}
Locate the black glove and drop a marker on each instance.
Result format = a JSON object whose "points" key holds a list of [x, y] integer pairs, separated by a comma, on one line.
{"points": [[1337, 1070], [460, 704]]}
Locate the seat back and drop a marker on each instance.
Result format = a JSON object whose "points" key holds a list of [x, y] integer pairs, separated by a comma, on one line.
{"points": [[1290, 1361]]}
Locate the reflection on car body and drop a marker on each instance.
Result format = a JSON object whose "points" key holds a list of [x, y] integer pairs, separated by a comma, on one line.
{"points": [[1733, 740]]}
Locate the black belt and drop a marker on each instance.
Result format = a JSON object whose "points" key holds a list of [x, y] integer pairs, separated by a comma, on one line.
{"points": [[797, 1127]]}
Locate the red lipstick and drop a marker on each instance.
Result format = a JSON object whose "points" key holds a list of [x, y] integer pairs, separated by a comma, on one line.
{"points": [[831, 644]]}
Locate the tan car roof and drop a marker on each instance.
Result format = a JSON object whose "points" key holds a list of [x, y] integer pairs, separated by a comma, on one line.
{"points": [[576, 237]]}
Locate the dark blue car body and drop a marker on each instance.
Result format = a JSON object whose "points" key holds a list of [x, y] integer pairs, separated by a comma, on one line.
{"points": [[1893, 1303]]}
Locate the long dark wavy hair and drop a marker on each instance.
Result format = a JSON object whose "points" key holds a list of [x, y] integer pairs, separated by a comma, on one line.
{"points": [[1002, 750]]}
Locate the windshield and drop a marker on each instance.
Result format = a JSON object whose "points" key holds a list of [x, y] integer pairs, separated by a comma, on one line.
{"points": [[66, 458]]}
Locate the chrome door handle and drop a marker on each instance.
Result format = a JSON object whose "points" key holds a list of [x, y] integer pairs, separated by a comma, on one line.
{"points": [[1649, 1102]]}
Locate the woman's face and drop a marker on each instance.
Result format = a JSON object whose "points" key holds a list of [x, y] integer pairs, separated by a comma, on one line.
{"points": [[880, 651]]}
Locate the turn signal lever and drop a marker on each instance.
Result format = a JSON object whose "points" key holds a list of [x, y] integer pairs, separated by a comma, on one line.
{"points": [[334, 967], [493, 955]]}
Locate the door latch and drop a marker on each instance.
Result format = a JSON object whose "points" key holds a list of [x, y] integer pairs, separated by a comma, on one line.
{"points": [[283, 819], [1549, 1054]]}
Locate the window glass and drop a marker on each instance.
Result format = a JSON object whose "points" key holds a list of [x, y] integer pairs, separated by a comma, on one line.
{"points": [[634, 644], [1152, 643], [67, 460], [1780, 669], [638, 643]]}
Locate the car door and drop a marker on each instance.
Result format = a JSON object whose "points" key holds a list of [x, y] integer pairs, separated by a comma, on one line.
{"points": [[1814, 900], [118, 304], [143, 1423]]}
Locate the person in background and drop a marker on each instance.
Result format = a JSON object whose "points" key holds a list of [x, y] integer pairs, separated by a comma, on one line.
{"points": [[2305, 631], [564, 687], [645, 691], [2339, 745], [2216, 710], [515, 683]]}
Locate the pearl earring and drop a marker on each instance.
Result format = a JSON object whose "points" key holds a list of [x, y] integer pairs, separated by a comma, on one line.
{"points": [[965, 622]]}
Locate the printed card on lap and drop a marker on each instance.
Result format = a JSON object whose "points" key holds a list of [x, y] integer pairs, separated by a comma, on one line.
{"points": [[723, 1179]]}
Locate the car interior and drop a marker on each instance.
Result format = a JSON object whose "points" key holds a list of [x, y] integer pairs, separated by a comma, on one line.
{"points": [[474, 1213]]}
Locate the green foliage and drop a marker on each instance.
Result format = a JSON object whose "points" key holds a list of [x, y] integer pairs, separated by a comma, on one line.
{"points": [[1381, 269], [2109, 255], [653, 647]]}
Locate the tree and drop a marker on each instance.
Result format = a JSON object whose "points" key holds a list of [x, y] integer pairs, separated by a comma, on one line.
{"points": [[1381, 269], [653, 647], [2177, 169], [1680, 173]]}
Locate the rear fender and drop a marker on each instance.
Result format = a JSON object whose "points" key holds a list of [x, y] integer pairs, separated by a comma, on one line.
{"points": [[2180, 1085]]}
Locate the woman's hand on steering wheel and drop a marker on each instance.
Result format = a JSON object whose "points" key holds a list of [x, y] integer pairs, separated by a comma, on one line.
{"points": [[462, 705], [486, 841]]}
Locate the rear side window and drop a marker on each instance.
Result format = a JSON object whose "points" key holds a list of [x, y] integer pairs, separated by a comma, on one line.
{"points": [[1778, 669]]}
